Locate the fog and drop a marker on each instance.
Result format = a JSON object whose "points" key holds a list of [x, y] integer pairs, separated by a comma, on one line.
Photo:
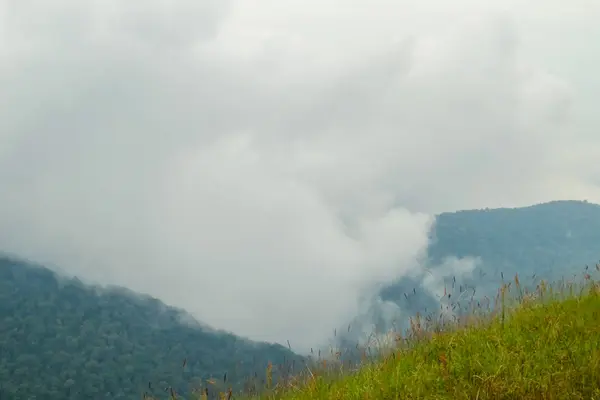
{"points": [[267, 165]]}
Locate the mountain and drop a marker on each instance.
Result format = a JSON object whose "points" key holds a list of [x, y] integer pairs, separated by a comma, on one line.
{"points": [[62, 339], [549, 241]]}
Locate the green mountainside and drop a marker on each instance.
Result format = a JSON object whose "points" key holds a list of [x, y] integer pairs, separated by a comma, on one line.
{"points": [[62, 339], [550, 241], [543, 239]]}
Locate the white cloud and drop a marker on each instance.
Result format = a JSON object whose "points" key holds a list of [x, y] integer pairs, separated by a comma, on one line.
{"points": [[262, 163]]}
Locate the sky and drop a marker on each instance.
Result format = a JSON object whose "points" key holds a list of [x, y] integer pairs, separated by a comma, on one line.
{"points": [[266, 165]]}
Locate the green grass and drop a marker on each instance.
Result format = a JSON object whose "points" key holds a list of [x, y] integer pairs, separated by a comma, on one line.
{"points": [[544, 345], [539, 345]]}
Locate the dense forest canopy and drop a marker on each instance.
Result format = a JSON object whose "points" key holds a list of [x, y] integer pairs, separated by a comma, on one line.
{"points": [[545, 238], [60, 338]]}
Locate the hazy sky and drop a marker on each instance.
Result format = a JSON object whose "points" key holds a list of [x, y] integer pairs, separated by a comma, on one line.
{"points": [[265, 163]]}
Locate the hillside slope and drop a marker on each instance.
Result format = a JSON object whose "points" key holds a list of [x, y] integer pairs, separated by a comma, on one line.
{"points": [[549, 240], [545, 239], [547, 347], [61, 339]]}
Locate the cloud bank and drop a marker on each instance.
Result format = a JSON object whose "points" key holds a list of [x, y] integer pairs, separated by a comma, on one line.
{"points": [[266, 165]]}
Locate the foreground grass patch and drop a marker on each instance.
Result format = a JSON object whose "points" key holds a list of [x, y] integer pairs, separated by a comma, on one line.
{"points": [[546, 348]]}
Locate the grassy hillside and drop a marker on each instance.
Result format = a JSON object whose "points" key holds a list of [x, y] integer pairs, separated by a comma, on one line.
{"points": [[535, 345], [61, 339]]}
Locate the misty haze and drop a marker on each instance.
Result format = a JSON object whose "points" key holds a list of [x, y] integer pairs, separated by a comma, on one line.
{"points": [[290, 174]]}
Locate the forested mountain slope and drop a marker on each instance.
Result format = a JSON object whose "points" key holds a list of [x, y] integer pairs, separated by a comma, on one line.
{"points": [[549, 241], [61, 339], [545, 239]]}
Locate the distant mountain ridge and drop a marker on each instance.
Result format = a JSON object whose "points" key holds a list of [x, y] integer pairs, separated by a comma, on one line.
{"points": [[549, 241]]}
